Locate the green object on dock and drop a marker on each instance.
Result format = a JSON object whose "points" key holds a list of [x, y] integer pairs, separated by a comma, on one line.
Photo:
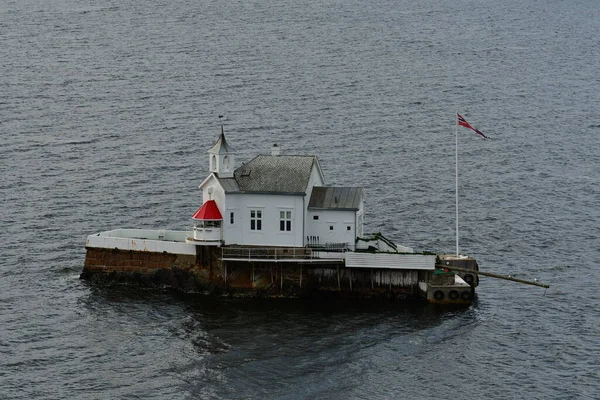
{"points": [[443, 271]]}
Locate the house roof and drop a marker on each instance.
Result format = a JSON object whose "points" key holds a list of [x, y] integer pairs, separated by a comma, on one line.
{"points": [[271, 174], [336, 198], [221, 147], [229, 185], [208, 212]]}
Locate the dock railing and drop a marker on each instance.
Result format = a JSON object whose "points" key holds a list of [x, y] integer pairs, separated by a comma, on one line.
{"points": [[267, 253], [279, 254], [331, 247]]}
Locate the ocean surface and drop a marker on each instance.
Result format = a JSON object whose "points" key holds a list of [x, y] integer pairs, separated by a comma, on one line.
{"points": [[107, 110]]}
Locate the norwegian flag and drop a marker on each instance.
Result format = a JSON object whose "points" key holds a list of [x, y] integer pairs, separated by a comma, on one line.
{"points": [[463, 122]]}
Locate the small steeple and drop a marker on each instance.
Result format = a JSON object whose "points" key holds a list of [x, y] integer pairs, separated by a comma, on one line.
{"points": [[221, 156]]}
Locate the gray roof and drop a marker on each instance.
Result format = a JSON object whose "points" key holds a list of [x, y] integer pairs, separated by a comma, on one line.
{"points": [[221, 147], [229, 184], [336, 198], [271, 174]]}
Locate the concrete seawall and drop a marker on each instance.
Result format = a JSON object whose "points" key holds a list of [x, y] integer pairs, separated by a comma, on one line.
{"points": [[206, 273]]}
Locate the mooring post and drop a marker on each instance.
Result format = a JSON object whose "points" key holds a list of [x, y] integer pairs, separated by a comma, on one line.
{"points": [[301, 276], [350, 279], [338, 274]]}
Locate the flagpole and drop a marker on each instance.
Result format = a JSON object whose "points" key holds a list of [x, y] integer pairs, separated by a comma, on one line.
{"points": [[456, 176]]}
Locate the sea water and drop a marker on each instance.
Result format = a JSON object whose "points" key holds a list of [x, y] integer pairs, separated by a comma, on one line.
{"points": [[107, 110]]}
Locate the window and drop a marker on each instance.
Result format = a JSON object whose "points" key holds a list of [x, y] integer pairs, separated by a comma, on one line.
{"points": [[231, 218], [316, 217], [285, 221], [208, 224], [213, 163], [330, 227], [348, 228], [226, 163], [256, 220]]}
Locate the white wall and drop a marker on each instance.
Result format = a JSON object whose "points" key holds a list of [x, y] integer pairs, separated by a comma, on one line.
{"points": [[315, 180], [240, 233], [218, 194], [142, 240], [338, 219], [151, 234], [360, 218], [391, 261]]}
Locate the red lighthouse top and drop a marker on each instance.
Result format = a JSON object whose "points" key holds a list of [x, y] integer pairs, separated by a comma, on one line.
{"points": [[208, 212]]}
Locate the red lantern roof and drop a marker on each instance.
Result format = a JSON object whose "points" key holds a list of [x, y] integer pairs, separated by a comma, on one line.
{"points": [[208, 212]]}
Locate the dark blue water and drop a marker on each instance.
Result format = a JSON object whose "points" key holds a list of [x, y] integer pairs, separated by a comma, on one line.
{"points": [[107, 110]]}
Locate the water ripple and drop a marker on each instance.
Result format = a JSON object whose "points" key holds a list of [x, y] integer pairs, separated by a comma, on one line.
{"points": [[107, 113]]}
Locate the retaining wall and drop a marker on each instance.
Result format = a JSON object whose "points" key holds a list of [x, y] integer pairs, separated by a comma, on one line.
{"points": [[205, 272]]}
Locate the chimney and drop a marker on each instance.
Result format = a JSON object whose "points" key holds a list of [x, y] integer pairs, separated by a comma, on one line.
{"points": [[275, 150]]}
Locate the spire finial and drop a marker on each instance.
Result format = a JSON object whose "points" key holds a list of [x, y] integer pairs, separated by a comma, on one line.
{"points": [[221, 122]]}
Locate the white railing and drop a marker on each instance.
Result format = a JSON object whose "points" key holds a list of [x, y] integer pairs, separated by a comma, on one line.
{"points": [[280, 254], [341, 247], [207, 234], [267, 253]]}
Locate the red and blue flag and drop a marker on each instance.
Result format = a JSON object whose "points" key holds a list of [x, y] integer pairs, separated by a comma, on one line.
{"points": [[463, 122]]}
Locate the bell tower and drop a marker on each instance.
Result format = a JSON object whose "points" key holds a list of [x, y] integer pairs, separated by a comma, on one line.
{"points": [[221, 158]]}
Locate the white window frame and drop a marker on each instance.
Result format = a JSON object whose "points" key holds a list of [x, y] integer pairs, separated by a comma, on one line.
{"points": [[285, 220], [256, 218]]}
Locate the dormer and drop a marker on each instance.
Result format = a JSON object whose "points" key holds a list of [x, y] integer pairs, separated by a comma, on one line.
{"points": [[221, 158]]}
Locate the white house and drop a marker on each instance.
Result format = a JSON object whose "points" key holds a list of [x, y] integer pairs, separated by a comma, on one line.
{"points": [[279, 200]]}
